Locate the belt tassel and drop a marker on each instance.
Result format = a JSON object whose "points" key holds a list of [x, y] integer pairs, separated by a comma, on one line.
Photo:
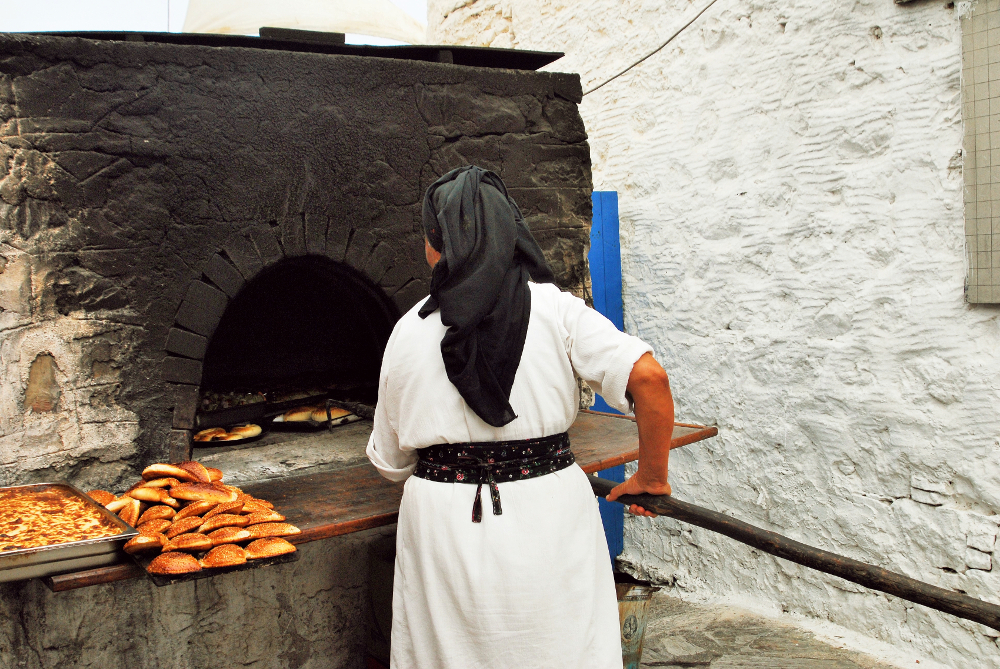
{"points": [[477, 505]]}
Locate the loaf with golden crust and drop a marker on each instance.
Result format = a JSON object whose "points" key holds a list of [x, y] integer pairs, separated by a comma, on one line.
{"points": [[174, 562], [161, 470], [196, 469], [209, 434], [102, 497], [228, 535], [195, 509], [226, 555], [145, 543], [263, 530], [223, 520], [118, 504], [191, 542], [188, 524], [166, 482], [266, 516], [158, 512], [300, 414], [228, 507], [246, 431], [131, 511], [157, 526], [319, 414], [214, 474], [203, 492], [268, 547]]}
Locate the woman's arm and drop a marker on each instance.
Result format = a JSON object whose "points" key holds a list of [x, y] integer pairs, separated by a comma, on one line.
{"points": [[649, 389]]}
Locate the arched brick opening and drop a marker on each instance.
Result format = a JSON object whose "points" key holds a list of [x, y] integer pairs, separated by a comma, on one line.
{"points": [[388, 266]]}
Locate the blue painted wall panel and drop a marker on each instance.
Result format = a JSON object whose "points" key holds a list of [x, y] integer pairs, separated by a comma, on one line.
{"points": [[606, 281]]}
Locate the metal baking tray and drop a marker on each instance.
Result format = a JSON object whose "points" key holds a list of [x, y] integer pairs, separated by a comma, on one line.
{"points": [[65, 557]]}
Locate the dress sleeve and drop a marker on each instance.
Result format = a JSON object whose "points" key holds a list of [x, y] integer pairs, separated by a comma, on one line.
{"points": [[601, 354], [383, 446]]}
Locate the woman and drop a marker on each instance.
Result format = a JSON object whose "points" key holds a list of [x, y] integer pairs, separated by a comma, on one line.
{"points": [[477, 389]]}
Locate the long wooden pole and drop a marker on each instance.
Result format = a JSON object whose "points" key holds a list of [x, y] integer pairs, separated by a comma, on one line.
{"points": [[855, 571]]}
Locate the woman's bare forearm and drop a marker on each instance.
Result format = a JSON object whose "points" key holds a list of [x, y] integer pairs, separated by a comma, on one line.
{"points": [[649, 388]]}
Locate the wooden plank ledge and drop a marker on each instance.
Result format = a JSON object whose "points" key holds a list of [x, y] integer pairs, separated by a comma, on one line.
{"points": [[357, 498]]}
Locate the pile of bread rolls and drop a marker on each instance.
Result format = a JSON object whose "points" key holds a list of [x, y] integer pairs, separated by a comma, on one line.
{"points": [[184, 511]]}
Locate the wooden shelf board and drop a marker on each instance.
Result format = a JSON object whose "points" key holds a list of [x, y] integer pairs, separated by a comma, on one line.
{"points": [[357, 498]]}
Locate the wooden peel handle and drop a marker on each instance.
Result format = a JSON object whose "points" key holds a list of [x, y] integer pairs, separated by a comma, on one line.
{"points": [[781, 546]]}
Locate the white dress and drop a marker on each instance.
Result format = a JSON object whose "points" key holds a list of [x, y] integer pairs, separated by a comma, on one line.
{"points": [[532, 587]]}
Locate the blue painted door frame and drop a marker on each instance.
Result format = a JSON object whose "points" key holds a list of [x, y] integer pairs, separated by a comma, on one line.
{"points": [[606, 279]]}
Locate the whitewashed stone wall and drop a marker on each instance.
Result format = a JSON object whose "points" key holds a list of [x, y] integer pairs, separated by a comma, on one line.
{"points": [[790, 180]]}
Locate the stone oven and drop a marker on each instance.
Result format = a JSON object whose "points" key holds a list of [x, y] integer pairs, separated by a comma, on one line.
{"points": [[181, 214]]}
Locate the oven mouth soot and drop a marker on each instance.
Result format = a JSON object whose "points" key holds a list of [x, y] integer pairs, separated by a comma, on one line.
{"points": [[305, 327]]}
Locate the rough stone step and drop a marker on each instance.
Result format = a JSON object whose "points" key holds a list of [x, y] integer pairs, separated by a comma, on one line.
{"points": [[681, 634]]}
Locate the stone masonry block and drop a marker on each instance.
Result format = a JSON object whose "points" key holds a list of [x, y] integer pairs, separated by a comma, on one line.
{"points": [[982, 535], [978, 560], [187, 344], [293, 239], [315, 231], [202, 308], [181, 370], [337, 235], [179, 446], [185, 401], [360, 247], [267, 244], [244, 256], [224, 275]]}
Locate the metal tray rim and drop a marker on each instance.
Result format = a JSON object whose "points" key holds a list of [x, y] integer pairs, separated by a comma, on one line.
{"points": [[127, 530]]}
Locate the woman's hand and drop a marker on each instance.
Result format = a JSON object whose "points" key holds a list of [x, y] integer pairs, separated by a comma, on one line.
{"points": [[635, 486]]}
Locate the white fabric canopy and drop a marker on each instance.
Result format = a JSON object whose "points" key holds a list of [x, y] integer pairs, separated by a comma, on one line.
{"points": [[378, 18]]}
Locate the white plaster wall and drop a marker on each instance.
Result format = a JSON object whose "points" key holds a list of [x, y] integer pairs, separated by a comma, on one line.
{"points": [[790, 183]]}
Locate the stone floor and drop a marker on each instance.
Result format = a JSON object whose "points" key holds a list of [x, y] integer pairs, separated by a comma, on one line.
{"points": [[680, 634]]}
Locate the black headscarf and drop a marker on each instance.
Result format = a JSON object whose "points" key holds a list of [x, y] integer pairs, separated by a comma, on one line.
{"points": [[480, 285]]}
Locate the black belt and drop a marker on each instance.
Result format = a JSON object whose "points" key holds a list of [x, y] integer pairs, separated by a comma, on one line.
{"points": [[491, 462]]}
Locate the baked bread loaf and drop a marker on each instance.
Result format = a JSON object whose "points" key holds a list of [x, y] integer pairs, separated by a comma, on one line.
{"points": [[203, 492], [145, 543], [209, 434], [252, 505], [131, 511], [226, 555], [157, 526], [190, 542], [300, 414], [102, 497], [319, 414], [161, 470], [196, 469], [195, 509], [118, 504], [154, 496], [246, 431], [269, 547], [263, 530], [228, 535], [184, 525], [158, 483], [214, 473], [228, 507], [223, 520], [174, 562], [156, 513], [265, 516]]}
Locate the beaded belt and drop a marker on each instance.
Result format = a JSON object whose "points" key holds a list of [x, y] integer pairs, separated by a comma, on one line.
{"points": [[493, 462]]}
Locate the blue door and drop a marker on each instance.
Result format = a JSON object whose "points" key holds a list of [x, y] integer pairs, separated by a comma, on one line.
{"points": [[606, 278]]}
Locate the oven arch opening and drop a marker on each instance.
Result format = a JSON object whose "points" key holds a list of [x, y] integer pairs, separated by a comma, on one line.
{"points": [[306, 322]]}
